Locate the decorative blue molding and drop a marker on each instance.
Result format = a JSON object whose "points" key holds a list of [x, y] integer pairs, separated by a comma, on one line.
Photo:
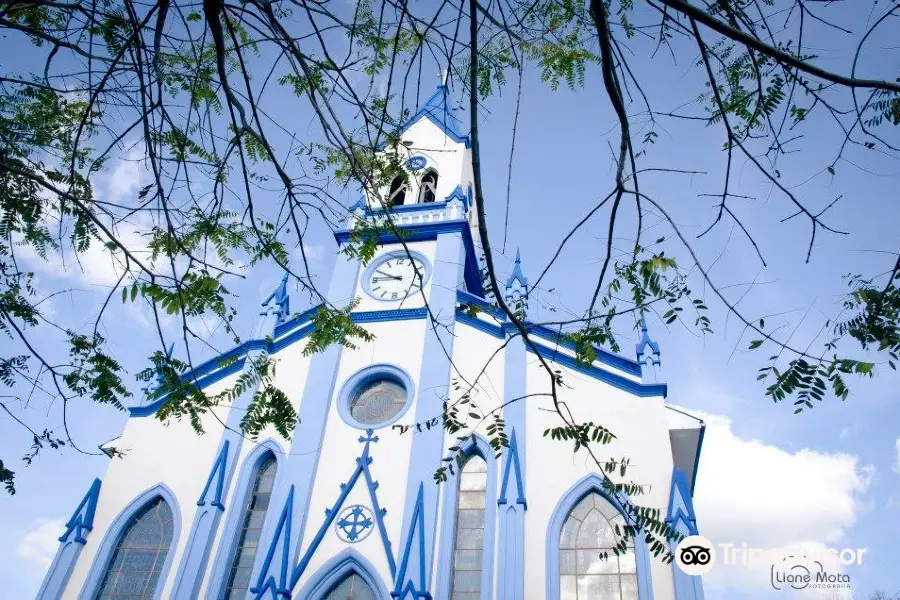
{"points": [[681, 509], [405, 585], [681, 517], [354, 524], [282, 302], [427, 446], [416, 163], [480, 324], [640, 349], [376, 264], [338, 568], [517, 276], [512, 466], [627, 385], [117, 528], [217, 472], [221, 564], [458, 194], [313, 410], [477, 446], [266, 582], [463, 297], [66, 557], [400, 314], [363, 377], [363, 464], [511, 545], [83, 518], [201, 382], [604, 356], [588, 484]]}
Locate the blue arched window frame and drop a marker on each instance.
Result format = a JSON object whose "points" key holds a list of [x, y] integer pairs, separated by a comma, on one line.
{"points": [[222, 565], [590, 484], [481, 448], [117, 529], [336, 569]]}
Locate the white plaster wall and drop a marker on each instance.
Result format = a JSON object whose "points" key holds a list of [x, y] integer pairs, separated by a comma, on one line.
{"points": [[415, 300], [398, 343], [152, 450], [552, 468]]}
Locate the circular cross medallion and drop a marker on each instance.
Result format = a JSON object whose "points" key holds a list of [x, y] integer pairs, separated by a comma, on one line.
{"points": [[354, 523]]}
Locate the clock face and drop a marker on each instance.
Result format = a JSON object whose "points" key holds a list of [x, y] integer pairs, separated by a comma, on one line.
{"points": [[396, 277]]}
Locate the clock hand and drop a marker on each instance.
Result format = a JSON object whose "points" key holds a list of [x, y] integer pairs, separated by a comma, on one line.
{"points": [[387, 274], [387, 277]]}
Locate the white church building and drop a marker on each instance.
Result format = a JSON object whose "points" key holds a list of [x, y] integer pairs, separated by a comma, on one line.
{"points": [[349, 506]]}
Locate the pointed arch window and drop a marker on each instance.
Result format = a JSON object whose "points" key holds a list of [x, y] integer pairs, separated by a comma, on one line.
{"points": [[428, 192], [397, 193], [468, 543], [254, 516], [136, 563], [588, 531], [351, 587]]}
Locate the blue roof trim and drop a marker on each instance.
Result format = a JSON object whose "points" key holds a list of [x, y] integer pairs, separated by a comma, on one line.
{"points": [[467, 298], [430, 231], [458, 194], [211, 371], [494, 330], [408, 208], [437, 111], [627, 385], [605, 356]]}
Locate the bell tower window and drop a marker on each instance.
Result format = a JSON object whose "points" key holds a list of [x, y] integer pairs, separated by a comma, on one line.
{"points": [[397, 193], [429, 187]]}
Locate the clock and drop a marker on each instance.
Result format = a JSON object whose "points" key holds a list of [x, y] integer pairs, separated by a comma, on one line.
{"points": [[396, 275]]}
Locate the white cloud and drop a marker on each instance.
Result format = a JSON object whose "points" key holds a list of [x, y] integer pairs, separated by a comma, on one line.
{"points": [[753, 493], [897, 456], [40, 541]]}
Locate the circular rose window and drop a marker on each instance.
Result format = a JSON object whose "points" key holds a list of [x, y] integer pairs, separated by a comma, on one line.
{"points": [[377, 401]]}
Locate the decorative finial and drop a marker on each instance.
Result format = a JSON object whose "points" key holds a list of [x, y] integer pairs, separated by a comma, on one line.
{"points": [[282, 302], [642, 355], [517, 288]]}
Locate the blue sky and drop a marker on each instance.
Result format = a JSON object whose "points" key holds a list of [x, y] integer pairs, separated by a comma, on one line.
{"points": [[767, 477]]}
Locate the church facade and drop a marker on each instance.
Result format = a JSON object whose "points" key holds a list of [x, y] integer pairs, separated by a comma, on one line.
{"points": [[349, 506]]}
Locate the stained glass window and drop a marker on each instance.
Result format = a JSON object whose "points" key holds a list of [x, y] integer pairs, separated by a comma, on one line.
{"points": [[134, 569], [378, 401], [468, 546], [589, 531], [251, 529], [352, 587]]}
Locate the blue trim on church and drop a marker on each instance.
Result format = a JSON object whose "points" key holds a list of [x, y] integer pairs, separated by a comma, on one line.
{"points": [[339, 567], [681, 517], [221, 564], [627, 385], [479, 446], [80, 524], [437, 110]]}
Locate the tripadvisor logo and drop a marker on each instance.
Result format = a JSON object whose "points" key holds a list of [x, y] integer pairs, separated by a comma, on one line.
{"points": [[797, 576], [695, 555]]}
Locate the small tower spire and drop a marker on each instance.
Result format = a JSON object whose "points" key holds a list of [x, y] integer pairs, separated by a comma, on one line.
{"points": [[517, 287], [282, 302], [647, 351]]}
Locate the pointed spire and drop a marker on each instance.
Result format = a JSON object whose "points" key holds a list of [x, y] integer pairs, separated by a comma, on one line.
{"points": [[640, 348], [517, 274]]}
